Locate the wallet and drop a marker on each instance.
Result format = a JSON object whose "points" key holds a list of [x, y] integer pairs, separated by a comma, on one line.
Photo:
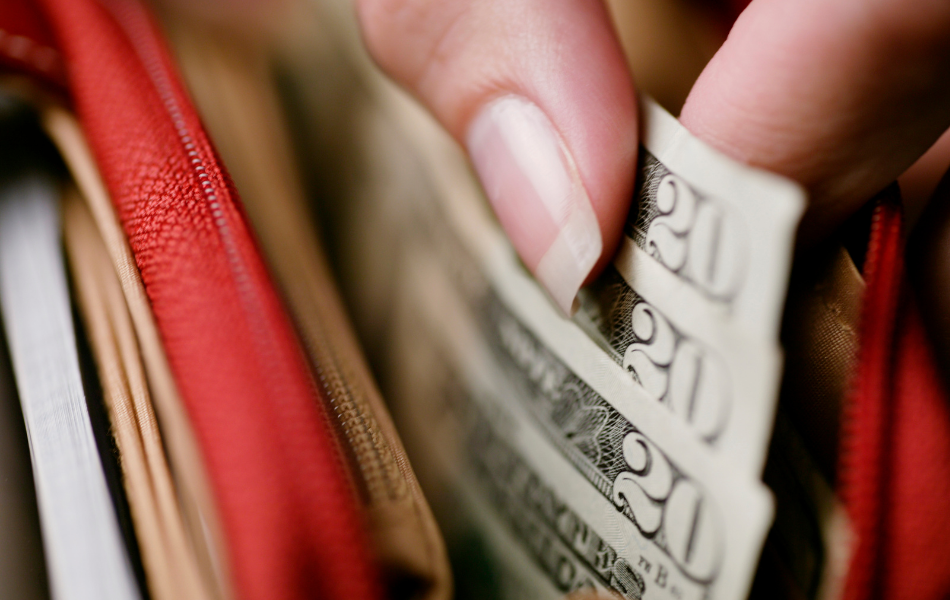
{"points": [[258, 458], [282, 449]]}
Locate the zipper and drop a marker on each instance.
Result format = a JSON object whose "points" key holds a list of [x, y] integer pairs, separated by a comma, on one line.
{"points": [[233, 90], [863, 472], [380, 478], [286, 508]]}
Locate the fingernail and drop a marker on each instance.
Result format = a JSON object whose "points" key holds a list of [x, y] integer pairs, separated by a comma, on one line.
{"points": [[532, 183]]}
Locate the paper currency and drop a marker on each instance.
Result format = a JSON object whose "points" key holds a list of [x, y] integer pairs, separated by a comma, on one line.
{"points": [[692, 303], [533, 439], [724, 229], [562, 410], [552, 465], [607, 508]]}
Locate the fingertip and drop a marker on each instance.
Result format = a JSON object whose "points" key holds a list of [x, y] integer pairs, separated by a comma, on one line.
{"points": [[532, 182], [540, 96]]}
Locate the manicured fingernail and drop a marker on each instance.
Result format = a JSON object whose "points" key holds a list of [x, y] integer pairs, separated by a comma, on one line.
{"points": [[534, 187]]}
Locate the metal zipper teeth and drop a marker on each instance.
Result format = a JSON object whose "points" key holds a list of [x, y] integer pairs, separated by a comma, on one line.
{"points": [[382, 479]]}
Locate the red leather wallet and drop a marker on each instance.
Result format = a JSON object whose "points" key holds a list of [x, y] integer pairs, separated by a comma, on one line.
{"points": [[289, 515]]}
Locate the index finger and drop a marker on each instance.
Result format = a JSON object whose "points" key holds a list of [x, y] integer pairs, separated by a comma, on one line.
{"points": [[539, 94]]}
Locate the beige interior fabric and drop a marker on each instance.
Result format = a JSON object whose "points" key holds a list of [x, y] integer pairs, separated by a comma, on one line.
{"points": [[231, 86], [667, 44], [821, 340], [158, 523], [176, 525]]}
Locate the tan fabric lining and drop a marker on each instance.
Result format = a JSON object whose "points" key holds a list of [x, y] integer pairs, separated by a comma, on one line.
{"points": [[177, 532], [820, 337]]}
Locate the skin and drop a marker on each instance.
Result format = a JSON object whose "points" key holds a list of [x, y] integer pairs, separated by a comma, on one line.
{"points": [[843, 96], [457, 56]]}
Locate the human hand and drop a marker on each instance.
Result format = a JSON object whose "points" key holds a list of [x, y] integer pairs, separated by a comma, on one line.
{"points": [[841, 96]]}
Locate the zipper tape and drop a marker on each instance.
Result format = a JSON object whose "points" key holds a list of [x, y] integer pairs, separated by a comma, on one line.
{"points": [[289, 516]]}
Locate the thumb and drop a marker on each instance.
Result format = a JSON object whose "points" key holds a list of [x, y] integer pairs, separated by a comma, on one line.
{"points": [[841, 96], [539, 94]]}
